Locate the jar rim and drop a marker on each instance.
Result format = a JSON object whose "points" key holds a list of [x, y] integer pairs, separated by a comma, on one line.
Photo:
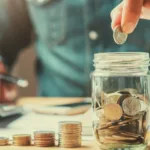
{"points": [[122, 54], [121, 62]]}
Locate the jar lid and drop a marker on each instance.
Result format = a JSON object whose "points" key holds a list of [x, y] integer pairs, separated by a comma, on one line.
{"points": [[121, 63]]}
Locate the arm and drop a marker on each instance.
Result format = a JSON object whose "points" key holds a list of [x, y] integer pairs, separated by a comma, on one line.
{"points": [[15, 29], [15, 34]]}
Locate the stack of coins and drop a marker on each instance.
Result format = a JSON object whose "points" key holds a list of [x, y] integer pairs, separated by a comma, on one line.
{"points": [[22, 140], [69, 134], [44, 138], [4, 141]]}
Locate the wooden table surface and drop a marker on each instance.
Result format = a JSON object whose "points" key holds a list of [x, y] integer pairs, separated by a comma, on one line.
{"points": [[48, 101], [86, 145]]}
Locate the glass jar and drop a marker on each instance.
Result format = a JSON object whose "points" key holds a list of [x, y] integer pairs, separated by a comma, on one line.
{"points": [[120, 99]]}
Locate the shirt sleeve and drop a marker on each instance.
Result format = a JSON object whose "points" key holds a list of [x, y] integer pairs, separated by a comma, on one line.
{"points": [[15, 29]]}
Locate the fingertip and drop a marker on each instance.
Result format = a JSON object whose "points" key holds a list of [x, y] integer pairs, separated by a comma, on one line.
{"points": [[113, 25], [128, 27]]}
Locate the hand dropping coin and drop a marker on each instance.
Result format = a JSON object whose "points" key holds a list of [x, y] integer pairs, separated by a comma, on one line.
{"points": [[113, 112], [119, 36]]}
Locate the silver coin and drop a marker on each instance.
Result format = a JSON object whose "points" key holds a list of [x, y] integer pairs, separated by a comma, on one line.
{"points": [[119, 36], [131, 106]]}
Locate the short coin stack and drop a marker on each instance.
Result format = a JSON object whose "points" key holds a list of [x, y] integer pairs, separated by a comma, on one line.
{"points": [[4, 141], [22, 140], [44, 138], [69, 134]]}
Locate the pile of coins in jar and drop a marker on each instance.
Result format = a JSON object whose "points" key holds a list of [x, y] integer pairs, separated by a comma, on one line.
{"points": [[69, 137], [121, 117]]}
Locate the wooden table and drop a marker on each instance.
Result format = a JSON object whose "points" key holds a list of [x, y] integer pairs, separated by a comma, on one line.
{"points": [[48, 101], [86, 145]]}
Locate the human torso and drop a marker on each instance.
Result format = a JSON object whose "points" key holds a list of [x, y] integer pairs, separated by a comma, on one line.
{"points": [[68, 33]]}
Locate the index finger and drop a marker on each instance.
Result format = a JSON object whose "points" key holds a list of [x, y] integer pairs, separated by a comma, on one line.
{"points": [[131, 14]]}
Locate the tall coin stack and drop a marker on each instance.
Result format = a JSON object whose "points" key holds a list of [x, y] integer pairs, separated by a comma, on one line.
{"points": [[22, 140], [44, 138], [4, 141], [70, 134]]}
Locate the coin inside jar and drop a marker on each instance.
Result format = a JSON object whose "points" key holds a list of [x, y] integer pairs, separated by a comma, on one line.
{"points": [[113, 97], [131, 106], [119, 36], [113, 112], [122, 98]]}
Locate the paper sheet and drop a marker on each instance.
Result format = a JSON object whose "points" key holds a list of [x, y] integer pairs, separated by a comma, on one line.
{"points": [[32, 122]]}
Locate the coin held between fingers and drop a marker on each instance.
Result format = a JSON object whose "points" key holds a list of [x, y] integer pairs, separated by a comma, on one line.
{"points": [[119, 36]]}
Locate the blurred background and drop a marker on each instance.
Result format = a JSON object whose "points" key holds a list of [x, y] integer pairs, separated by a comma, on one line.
{"points": [[24, 62]]}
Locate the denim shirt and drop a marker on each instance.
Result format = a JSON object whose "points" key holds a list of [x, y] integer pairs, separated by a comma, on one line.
{"points": [[68, 33]]}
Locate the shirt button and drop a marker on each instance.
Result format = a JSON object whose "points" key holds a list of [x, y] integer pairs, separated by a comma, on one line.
{"points": [[93, 35]]}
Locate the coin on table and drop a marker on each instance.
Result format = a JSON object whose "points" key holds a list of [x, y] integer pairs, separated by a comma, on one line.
{"points": [[69, 145], [44, 138], [22, 139], [131, 106], [70, 127], [113, 112], [44, 134], [4, 141], [69, 134], [119, 36]]}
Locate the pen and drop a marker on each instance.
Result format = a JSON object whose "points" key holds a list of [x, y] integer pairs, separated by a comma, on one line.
{"points": [[18, 81]]}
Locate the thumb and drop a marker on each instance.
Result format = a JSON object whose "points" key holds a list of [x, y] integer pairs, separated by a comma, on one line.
{"points": [[116, 16]]}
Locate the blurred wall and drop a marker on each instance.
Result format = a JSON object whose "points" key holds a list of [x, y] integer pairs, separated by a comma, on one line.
{"points": [[24, 67]]}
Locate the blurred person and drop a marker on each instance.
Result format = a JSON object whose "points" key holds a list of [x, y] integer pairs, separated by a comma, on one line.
{"points": [[67, 33]]}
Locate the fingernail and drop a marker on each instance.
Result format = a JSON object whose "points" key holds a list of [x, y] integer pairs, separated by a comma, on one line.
{"points": [[128, 27]]}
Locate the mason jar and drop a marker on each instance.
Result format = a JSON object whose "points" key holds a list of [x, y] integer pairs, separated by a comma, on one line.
{"points": [[120, 100]]}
